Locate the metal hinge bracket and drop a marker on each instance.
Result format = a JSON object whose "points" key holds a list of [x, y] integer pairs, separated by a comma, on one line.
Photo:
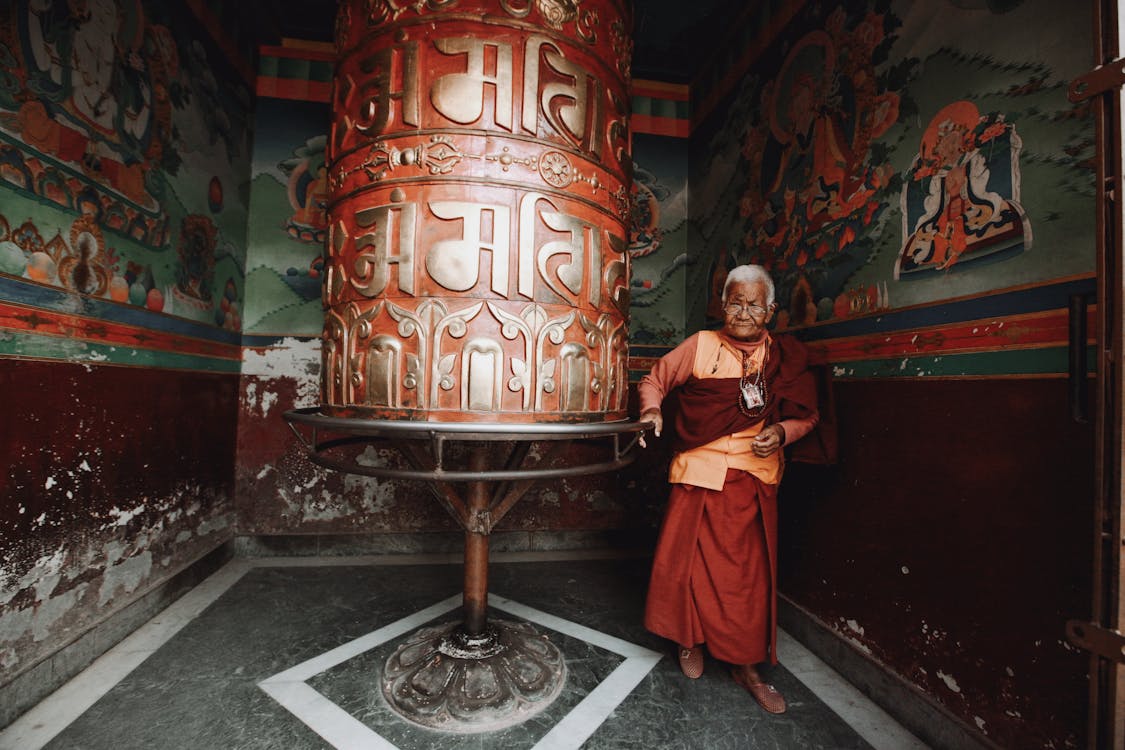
{"points": [[1097, 81], [1106, 643]]}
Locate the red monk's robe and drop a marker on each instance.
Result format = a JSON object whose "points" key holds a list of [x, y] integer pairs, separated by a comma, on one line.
{"points": [[714, 576]]}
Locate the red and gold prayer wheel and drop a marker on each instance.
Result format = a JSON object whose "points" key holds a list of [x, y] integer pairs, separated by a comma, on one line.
{"points": [[479, 197]]}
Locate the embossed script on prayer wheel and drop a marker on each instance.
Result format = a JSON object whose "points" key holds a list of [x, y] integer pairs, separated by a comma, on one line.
{"points": [[476, 264]]}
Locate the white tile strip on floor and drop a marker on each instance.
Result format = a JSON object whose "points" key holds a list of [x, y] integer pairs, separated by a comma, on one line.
{"points": [[584, 719], [314, 666], [51, 716], [335, 726], [343, 732], [57, 711], [869, 721]]}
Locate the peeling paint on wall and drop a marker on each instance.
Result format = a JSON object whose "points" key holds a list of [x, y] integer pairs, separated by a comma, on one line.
{"points": [[293, 358], [122, 477], [949, 681], [56, 592]]}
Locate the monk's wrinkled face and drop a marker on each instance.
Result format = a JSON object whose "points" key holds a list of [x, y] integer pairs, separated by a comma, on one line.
{"points": [[747, 310]]}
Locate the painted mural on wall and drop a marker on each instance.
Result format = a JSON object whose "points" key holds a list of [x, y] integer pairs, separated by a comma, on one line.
{"points": [[287, 219], [880, 160], [658, 240], [122, 152], [960, 200], [812, 178]]}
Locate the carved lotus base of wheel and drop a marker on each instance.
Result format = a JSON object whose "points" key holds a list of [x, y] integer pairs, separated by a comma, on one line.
{"points": [[443, 678]]}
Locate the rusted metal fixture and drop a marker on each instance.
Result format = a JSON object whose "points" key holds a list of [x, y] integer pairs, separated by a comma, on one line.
{"points": [[479, 674], [475, 675], [476, 292]]}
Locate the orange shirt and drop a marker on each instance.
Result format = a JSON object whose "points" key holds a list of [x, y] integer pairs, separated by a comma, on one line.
{"points": [[707, 355]]}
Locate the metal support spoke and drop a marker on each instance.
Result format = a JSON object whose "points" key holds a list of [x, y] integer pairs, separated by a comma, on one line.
{"points": [[437, 443], [309, 446], [518, 489], [445, 493], [517, 453]]}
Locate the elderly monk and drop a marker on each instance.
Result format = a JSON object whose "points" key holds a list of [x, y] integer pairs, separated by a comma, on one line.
{"points": [[743, 394]]}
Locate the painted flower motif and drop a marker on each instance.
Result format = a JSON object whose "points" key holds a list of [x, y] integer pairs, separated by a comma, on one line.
{"points": [[992, 131], [28, 238], [557, 12]]}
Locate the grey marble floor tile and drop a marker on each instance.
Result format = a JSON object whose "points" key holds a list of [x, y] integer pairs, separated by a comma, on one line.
{"points": [[199, 690]]}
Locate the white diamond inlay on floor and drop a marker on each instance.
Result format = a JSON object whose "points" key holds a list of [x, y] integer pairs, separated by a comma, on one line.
{"points": [[38, 726], [344, 732]]}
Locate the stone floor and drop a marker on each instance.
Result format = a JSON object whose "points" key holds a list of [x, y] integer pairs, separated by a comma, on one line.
{"points": [[286, 653]]}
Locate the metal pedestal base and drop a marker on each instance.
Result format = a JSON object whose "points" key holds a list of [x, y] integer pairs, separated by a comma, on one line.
{"points": [[445, 678], [476, 675]]}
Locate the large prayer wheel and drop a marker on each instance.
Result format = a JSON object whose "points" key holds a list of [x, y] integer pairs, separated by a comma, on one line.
{"points": [[479, 193]]}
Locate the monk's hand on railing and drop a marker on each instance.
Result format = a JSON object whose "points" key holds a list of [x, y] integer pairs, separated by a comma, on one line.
{"points": [[656, 419]]}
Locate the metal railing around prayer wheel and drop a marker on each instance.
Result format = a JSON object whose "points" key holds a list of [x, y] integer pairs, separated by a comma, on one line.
{"points": [[476, 292]]}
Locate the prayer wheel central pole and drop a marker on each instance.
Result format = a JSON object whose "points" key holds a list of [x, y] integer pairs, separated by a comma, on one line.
{"points": [[475, 597], [475, 675]]}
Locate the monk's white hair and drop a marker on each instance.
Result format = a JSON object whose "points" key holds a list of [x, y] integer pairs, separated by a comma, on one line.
{"points": [[749, 274]]}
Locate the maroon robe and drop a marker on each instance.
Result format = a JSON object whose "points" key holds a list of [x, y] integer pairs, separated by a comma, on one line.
{"points": [[714, 576]]}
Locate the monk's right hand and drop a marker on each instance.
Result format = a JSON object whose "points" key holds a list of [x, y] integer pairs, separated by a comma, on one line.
{"points": [[656, 419]]}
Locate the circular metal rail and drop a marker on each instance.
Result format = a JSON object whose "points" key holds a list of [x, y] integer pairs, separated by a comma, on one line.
{"points": [[622, 435]]}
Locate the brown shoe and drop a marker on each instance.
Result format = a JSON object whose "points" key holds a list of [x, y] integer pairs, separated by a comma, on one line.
{"points": [[691, 662], [766, 695]]}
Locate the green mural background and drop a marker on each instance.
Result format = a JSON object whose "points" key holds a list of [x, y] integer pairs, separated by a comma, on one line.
{"points": [[286, 228], [806, 169]]}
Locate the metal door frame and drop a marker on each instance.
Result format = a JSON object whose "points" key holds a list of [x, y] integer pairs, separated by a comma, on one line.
{"points": [[1102, 635]]}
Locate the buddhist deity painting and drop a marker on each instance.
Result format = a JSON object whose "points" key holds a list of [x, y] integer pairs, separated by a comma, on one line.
{"points": [[307, 190], [117, 112], [960, 203], [87, 96], [812, 175], [645, 232], [196, 271]]}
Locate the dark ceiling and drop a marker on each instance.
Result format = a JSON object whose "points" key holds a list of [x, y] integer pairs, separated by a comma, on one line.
{"points": [[670, 42]]}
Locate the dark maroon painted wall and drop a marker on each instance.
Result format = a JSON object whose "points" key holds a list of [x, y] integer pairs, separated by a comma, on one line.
{"points": [[114, 479], [952, 542]]}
